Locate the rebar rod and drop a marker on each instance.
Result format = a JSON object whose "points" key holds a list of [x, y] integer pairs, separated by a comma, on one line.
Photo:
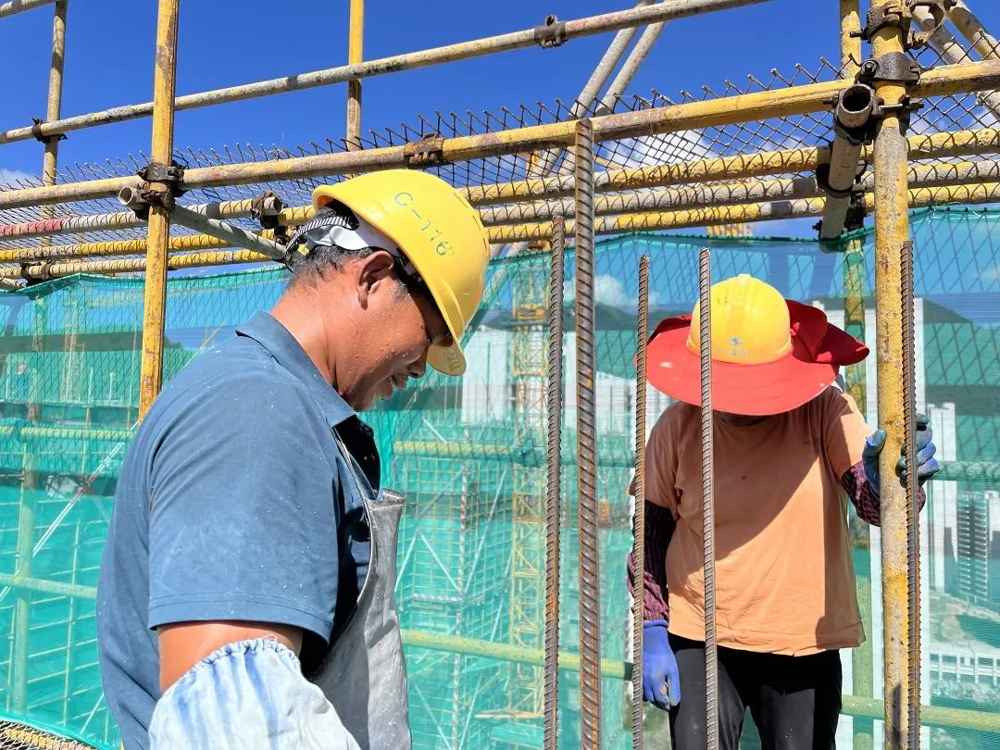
{"points": [[590, 588], [639, 525], [891, 231], [158, 233], [553, 485], [912, 499], [573, 29], [708, 498]]}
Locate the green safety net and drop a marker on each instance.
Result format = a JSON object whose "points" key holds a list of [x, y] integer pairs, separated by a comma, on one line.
{"points": [[470, 455]]}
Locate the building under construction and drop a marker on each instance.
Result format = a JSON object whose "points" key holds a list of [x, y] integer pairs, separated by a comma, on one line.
{"points": [[518, 523]]}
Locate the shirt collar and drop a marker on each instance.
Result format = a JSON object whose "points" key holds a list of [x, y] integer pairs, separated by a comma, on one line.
{"points": [[288, 352]]}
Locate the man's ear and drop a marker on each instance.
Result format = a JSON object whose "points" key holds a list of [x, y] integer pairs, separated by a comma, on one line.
{"points": [[371, 273]]}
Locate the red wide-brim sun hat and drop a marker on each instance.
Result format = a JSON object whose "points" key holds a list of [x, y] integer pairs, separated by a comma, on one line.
{"points": [[818, 351]]}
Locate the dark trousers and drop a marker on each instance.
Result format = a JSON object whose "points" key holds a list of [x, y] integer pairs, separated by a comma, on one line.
{"points": [[794, 700]]}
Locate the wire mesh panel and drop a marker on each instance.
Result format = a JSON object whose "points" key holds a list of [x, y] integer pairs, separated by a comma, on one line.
{"points": [[469, 453]]}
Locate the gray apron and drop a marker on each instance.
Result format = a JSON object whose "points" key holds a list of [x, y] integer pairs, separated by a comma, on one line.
{"points": [[364, 675]]}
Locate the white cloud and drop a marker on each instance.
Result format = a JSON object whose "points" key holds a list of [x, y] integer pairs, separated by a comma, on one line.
{"points": [[608, 290]]}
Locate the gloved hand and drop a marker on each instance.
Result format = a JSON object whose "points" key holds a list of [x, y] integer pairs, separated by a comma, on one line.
{"points": [[927, 465], [661, 680]]}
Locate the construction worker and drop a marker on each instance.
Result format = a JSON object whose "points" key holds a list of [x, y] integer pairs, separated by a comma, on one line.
{"points": [[245, 596], [789, 448]]}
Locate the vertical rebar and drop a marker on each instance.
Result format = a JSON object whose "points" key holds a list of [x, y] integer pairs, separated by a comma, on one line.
{"points": [[590, 588], [891, 231], [158, 237], [912, 502], [639, 526], [708, 499], [553, 484], [355, 46]]}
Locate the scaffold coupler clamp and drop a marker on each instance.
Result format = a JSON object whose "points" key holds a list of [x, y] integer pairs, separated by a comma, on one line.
{"points": [[42, 272], [427, 152], [36, 132], [140, 199], [550, 33], [893, 67], [266, 209]]}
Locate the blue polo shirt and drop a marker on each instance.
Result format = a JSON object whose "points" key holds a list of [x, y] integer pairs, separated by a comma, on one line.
{"points": [[234, 503]]}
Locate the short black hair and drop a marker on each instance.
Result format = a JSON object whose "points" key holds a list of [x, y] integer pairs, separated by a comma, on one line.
{"points": [[321, 259]]}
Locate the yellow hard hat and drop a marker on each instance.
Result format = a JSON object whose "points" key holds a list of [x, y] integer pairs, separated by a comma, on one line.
{"points": [[750, 322], [438, 232], [769, 354]]}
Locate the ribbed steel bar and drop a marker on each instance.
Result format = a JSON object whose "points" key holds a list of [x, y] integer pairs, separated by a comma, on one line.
{"points": [[912, 502], [891, 231], [639, 525], [590, 572], [553, 485], [581, 27], [708, 498]]}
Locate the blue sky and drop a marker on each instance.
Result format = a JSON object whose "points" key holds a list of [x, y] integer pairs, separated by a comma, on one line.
{"points": [[109, 62]]}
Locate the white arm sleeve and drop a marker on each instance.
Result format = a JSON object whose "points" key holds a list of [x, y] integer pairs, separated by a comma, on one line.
{"points": [[249, 694]]}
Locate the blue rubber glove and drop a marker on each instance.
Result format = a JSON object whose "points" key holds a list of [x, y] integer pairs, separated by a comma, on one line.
{"points": [[661, 680], [927, 465]]}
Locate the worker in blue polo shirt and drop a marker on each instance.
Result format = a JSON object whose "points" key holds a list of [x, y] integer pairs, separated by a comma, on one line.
{"points": [[245, 596]]}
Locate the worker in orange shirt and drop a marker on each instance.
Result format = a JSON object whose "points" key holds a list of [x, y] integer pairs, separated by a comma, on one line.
{"points": [[790, 449]]}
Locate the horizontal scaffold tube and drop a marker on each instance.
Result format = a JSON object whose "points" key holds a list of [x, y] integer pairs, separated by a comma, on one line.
{"points": [[581, 27], [19, 6], [760, 105], [514, 194], [639, 222]]}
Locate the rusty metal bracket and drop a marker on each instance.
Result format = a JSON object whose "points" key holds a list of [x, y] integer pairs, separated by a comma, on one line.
{"points": [[552, 33], [880, 16], [266, 209], [895, 67], [426, 152], [36, 131], [172, 174]]}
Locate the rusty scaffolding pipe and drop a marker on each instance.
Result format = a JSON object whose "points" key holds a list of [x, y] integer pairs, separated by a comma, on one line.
{"points": [[973, 193], [355, 48], [891, 232], [682, 197], [711, 113], [970, 27], [851, 116], [19, 6], [577, 28], [158, 235]]}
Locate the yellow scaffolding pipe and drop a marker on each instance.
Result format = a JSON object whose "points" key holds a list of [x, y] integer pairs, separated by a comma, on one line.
{"points": [[692, 115], [987, 192], [155, 290], [582, 27], [355, 46], [891, 232]]}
